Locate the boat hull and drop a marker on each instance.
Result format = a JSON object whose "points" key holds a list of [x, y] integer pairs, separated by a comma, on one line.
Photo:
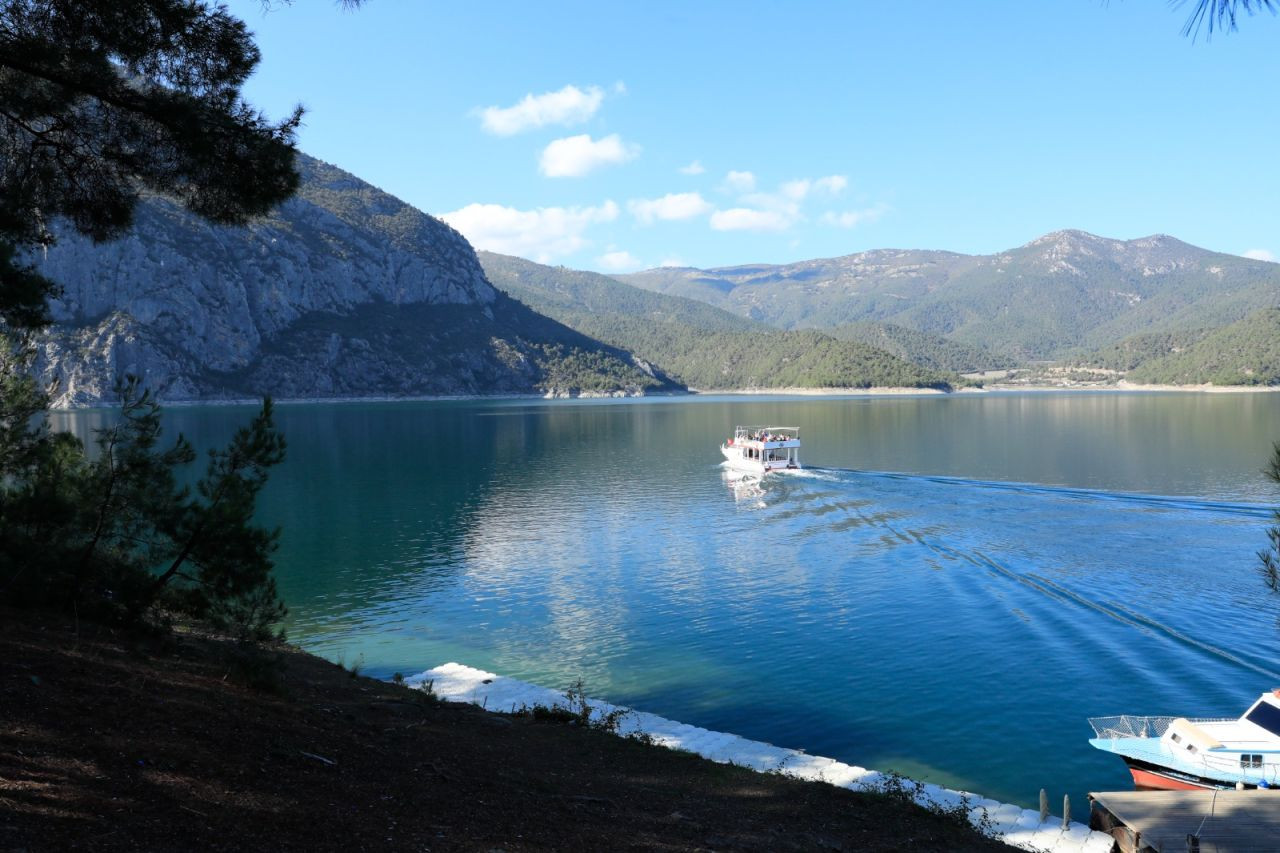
{"points": [[1153, 777], [735, 460]]}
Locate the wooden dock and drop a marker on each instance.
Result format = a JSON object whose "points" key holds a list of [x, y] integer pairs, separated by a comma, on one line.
{"points": [[1168, 821]]}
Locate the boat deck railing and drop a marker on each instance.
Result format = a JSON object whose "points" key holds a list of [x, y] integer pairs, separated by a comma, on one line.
{"points": [[1127, 726], [780, 433]]}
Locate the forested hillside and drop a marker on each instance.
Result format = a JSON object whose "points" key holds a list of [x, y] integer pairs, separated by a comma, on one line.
{"points": [[1137, 350], [697, 345], [931, 351], [1243, 353]]}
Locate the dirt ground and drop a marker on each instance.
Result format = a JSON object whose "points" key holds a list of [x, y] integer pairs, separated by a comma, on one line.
{"points": [[111, 743]]}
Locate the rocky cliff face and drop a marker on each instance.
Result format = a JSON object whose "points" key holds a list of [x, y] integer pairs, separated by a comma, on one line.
{"points": [[333, 295]]}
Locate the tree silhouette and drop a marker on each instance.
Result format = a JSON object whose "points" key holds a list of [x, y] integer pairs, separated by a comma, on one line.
{"points": [[101, 100], [1270, 556], [1222, 14]]}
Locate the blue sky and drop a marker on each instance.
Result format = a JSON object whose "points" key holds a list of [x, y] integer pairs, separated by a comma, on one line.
{"points": [[618, 136]]}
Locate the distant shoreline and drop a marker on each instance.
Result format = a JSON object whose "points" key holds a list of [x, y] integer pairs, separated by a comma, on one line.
{"points": [[874, 391], [1122, 386]]}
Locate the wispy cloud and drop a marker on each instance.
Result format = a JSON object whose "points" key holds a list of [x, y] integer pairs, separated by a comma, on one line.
{"points": [[853, 218], [748, 219], [777, 210], [1261, 255], [542, 234], [831, 184], [694, 168], [740, 182], [670, 206], [575, 156], [801, 188], [619, 261], [673, 262], [568, 106]]}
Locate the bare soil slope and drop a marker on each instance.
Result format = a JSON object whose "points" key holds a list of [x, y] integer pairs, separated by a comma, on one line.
{"points": [[106, 745]]}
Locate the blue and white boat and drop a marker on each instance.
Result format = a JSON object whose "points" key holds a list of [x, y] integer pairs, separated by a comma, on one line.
{"points": [[1177, 753]]}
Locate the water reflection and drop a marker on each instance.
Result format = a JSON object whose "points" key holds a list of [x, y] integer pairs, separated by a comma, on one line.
{"points": [[743, 486]]}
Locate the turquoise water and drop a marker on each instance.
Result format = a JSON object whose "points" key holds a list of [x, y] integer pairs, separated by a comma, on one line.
{"points": [[950, 590]]}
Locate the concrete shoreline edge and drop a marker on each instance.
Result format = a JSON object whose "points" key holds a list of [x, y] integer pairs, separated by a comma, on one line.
{"points": [[1014, 825]]}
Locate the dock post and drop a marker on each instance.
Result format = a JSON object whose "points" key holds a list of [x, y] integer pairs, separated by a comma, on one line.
{"points": [[1066, 811], [1044, 805]]}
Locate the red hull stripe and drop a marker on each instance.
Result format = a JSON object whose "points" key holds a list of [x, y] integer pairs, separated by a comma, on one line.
{"points": [[1148, 781]]}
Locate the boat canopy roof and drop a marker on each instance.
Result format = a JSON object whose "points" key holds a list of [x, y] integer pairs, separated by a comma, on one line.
{"points": [[794, 432]]}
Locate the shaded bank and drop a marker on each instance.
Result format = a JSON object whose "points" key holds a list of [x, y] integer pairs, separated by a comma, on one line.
{"points": [[107, 748]]}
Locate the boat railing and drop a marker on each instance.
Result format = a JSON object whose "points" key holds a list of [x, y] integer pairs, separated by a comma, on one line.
{"points": [[1127, 726], [751, 433]]}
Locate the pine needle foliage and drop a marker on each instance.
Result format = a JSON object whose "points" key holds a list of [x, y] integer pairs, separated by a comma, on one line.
{"points": [[101, 100], [1270, 556], [115, 535], [1220, 14]]}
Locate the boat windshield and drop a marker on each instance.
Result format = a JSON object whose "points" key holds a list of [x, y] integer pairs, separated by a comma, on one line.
{"points": [[1267, 716]]}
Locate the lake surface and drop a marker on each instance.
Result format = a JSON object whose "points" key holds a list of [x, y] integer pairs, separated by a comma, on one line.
{"points": [[950, 590]]}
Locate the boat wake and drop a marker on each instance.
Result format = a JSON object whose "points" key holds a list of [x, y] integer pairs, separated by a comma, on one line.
{"points": [[1165, 570], [1253, 510]]}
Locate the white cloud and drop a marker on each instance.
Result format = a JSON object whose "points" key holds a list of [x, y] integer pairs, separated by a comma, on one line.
{"points": [[670, 206], [619, 261], [541, 235], [772, 211], [796, 190], [853, 218], [568, 106], [575, 156], [673, 262], [694, 168], [832, 184], [800, 188], [742, 182], [747, 219], [1261, 255]]}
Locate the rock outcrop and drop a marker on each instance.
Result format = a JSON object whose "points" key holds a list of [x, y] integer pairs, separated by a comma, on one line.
{"points": [[344, 291]]}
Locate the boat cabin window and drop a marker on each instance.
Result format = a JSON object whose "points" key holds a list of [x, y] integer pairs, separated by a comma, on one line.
{"points": [[1266, 715], [1250, 760], [1177, 738]]}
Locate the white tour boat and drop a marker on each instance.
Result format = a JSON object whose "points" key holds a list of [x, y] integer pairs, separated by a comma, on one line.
{"points": [[761, 449], [1176, 753]]}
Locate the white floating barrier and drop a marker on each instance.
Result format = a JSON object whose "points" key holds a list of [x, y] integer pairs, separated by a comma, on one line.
{"points": [[1022, 828]]}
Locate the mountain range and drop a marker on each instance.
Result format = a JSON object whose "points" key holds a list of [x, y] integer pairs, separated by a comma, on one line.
{"points": [[1059, 296], [346, 291]]}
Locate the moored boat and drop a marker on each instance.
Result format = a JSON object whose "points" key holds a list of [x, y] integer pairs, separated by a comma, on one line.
{"points": [[761, 449], [1177, 753]]}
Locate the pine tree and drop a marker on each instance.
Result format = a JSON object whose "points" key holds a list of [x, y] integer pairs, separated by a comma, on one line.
{"points": [[116, 535], [100, 102], [103, 99], [1270, 557], [219, 567]]}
